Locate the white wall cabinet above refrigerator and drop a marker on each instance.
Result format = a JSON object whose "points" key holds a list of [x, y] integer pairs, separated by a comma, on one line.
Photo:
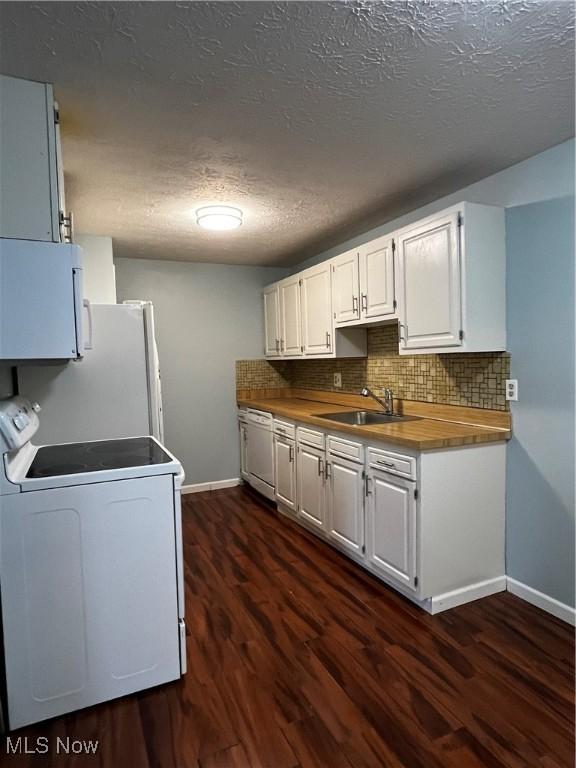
{"points": [[41, 301], [31, 177]]}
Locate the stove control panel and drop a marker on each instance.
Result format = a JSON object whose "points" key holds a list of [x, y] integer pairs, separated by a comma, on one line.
{"points": [[18, 422]]}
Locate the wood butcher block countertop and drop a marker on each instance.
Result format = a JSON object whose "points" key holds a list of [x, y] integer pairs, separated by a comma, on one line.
{"points": [[432, 431]]}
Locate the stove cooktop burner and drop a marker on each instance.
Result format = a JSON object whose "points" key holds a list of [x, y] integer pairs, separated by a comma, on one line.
{"points": [[76, 458]]}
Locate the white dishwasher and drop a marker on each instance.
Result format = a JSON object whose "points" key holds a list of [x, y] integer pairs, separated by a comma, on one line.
{"points": [[260, 452]]}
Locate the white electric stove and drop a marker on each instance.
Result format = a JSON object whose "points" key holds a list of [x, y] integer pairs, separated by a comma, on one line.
{"points": [[91, 568]]}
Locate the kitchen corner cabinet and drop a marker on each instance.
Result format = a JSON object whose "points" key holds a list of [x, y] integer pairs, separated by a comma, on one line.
{"points": [[451, 281], [31, 177]]}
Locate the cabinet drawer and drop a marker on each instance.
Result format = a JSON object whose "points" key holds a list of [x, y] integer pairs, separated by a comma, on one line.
{"points": [[348, 448], [310, 437], [395, 463], [260, 417], [284, 428]]}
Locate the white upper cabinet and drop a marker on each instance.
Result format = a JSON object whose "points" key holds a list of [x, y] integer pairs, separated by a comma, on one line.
{"points": [[443, 278], [451, 281], [429, 283], [316, 300], [363, 283], [272, 321], [377, 296], [346, 287], [290, 327], [31, 179]]}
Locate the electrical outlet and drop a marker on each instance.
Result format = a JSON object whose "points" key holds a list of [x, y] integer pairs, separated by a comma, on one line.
{"points": [[337, 379], [511, 389]]}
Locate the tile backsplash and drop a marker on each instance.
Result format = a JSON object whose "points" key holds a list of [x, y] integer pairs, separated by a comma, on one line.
{"points": [[476, 380]]}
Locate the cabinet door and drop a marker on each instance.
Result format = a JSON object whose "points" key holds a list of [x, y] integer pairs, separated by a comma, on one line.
{"points": [[346, 504], [311, 486], [271, 321], [391, 526], [28, 163], [345, 287], [243, 451], [317, 310], [290, 335], [285, 471], [377, 278], [429, 280]]}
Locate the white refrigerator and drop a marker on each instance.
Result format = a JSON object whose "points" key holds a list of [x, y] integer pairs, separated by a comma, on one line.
{"points": [[113, 391]]}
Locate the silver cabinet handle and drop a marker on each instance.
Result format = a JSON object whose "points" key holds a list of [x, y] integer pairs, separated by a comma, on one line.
{"points": [[328, 472], [290, 453], [320, 467], [355, 305], [403, 332], [281, 345], [368, 490], [328, 339], [365, 302], [277, 344], [386, 463], [66, 227]]}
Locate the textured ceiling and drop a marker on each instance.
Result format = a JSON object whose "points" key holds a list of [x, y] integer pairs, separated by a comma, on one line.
{"points": [[316, 118]]}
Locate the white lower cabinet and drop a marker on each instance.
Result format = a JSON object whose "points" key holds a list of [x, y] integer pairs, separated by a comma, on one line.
{"points": [[312, 486], [346, 504], [243, 450], [430, 524], [285, 471], [391, 526]]}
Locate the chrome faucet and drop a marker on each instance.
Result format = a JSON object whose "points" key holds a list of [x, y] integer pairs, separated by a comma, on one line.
{"points": [[388, 402]]}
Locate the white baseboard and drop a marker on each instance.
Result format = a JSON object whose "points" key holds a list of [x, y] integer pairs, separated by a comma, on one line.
{"points": [[540, 600], [463, 595], [216, 485]]}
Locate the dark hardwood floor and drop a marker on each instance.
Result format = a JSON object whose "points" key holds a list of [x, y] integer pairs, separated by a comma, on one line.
{"points": [[298, 659]]}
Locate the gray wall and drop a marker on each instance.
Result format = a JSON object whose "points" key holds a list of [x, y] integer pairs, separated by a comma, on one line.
{"points": [[538, 194], [546, 176], [540, 468], [207, 316]]}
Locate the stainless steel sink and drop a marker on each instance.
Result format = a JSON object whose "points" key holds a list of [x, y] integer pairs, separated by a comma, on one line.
{"points": [[363, 418]]}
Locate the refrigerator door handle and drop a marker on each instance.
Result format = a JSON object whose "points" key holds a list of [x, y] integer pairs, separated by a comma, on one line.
{"points": [[88, 307]]}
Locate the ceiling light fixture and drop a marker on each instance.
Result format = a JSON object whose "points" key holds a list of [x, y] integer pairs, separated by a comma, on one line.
{"points": [[219, 217]]}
